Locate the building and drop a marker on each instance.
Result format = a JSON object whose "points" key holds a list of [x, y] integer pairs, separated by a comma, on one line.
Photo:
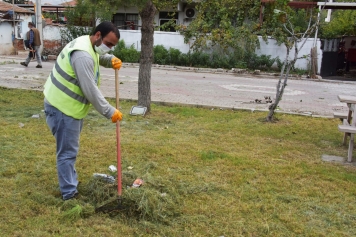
{"points": [[13, 26]]}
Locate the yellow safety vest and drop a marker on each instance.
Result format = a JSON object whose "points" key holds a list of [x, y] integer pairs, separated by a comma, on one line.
{"points": [[62, 88]]}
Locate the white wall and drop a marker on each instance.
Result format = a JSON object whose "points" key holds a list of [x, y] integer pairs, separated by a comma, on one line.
{"points": [[6, 29], [168, 39], [24, 24], [271, 48], [176, 40], [51, 32], [6, 38], [348, 41]]}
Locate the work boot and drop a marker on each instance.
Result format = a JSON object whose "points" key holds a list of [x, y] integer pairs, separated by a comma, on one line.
{"points": [[75, 196], [39, 66], [23, 64]]}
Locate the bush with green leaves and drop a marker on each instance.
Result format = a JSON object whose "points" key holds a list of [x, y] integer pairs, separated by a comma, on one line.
{"points": [[71, 32], [216, 59], [219, 60], [266, 61], [174, 56], [160, 54], [253, 61], [200, 59], [126, 54], [279, 63], [184, 59]]}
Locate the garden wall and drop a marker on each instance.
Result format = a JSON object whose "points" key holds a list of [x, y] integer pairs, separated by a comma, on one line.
{"points": [[51, 38]]}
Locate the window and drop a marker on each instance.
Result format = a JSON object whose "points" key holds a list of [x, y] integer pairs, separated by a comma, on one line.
{"points": [[167, 21], [126, 21]]}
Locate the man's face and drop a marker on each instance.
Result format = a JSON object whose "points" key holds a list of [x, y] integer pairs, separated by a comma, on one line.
{"points": [[109, 40]]}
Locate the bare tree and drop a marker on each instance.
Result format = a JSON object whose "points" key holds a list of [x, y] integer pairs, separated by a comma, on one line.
{"points": [[295, 41]]}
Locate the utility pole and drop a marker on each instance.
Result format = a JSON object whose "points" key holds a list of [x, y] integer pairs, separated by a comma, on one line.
{"points": [[39, 22], [14, 42]]}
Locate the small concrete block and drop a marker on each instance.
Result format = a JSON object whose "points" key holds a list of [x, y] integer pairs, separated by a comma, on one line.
{"points": [[337, 159]]}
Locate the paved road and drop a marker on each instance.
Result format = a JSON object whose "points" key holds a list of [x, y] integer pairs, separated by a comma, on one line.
{"points": [[219, 90]]}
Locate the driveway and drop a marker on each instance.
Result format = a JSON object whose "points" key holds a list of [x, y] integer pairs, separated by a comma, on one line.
{"points": [[215, 89]]}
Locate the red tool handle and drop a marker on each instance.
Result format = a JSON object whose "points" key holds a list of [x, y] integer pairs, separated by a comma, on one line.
{"points": [[119, 173]]}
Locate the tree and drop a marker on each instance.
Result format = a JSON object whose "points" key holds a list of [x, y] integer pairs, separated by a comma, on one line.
{"points": [[147, 10], [228, 25], [292, 28], [343, 23], [81, 19], [86, 13]]}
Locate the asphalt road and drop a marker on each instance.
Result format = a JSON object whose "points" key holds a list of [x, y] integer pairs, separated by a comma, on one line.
{"points": [[205, 88]]}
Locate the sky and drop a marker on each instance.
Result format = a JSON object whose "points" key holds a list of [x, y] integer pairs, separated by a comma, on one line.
{"points": [[53, 2]]}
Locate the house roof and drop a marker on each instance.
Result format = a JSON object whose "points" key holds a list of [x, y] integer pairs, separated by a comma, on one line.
{"points": [[5, 7], [325, 5], [70, 3]]}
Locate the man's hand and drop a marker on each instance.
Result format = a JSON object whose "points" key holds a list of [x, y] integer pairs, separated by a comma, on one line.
{"points": [[116, 63], [116, 116]]}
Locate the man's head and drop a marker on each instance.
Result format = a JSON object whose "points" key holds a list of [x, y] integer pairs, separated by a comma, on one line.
{"points": [[105, 34], [31, 25]]}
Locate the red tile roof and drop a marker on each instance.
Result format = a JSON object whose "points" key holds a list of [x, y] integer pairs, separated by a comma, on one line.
{"points": [[5, 7], [70, 3]]}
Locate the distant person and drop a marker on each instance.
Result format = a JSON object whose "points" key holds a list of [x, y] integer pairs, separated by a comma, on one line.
{"points": [[71, 89], [28, 46], [34, 42]]}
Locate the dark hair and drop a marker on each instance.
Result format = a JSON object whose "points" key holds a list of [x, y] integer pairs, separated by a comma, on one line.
{"points": [[31, 23], [105, 28]]}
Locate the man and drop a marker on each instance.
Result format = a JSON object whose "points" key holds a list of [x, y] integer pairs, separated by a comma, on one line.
{"points": [[70, 89], [34, 44], [27, 45]]}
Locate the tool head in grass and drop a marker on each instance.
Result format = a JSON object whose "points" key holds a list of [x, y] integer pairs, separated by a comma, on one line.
{"points": [[156, 200]]}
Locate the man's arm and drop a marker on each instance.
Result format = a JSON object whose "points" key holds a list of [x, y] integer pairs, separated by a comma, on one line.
{"points": [[105, 60], [83, 66]]}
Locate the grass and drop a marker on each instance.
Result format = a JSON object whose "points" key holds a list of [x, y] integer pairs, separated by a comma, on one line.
{"points": [[7, 62], [206, 172]]}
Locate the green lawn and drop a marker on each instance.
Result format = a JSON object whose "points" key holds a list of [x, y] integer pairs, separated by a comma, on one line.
{"points": [[206, 172]]}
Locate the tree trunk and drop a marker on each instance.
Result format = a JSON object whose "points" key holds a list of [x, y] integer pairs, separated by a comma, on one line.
{"points": [[144, 76], [314, 62], [279, 91]]}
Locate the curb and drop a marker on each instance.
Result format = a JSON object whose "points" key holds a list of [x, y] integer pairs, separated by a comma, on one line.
{"points": [[252, 110], [234, 71]]}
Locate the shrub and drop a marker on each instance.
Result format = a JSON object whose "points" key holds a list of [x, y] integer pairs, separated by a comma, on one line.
{"points": [[184, 59], [266, 61], [129, 55], [160, 54], [174, 55], [253, 61], [219, 60], [279, 63], [200, 59], [70, 32]]}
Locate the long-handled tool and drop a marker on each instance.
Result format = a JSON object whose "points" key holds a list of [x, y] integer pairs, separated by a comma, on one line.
{"points": [[109, 207], [119, 169]]}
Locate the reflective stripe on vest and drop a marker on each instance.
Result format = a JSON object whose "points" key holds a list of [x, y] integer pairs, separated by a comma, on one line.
{"points": [[62, 88], [67, 91]]}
